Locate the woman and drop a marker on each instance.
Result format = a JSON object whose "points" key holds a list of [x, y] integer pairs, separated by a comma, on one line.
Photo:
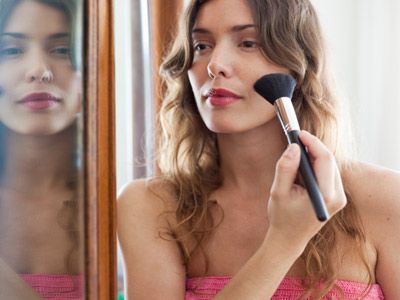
{"points": [[227, 218], [40, 98]]}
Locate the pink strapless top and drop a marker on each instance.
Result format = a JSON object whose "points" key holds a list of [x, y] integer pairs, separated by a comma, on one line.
{"points": [[205, 288], [56, 287]]}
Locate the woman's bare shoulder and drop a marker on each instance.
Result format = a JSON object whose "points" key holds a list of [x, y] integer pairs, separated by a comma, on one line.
{"points": [[375, 191], [144, 208], [150, 254], [374, 187], [146, 195]]}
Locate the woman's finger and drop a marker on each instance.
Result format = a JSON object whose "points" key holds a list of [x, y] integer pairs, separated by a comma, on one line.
{"points": [[316, 149], [286, 170], [323, 163]]}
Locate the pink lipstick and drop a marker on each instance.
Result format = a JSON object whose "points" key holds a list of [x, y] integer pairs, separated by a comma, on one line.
{"points": [[39, 101], [221, 97]]}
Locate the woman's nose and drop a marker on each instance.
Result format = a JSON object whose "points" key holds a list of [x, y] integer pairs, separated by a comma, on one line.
{"points": [[220, 64], [39, 71]]}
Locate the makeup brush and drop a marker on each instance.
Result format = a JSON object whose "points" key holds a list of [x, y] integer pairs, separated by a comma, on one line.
{"points": [[278, 89]]}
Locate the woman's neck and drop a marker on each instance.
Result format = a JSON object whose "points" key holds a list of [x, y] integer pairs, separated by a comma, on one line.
{"points": [[34, 189], [38, 163], [248, 159]]}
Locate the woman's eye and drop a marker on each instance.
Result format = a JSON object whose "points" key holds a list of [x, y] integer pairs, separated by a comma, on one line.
{"points": [[249, 44], [60, 51], [11, 52], [198, 47]]}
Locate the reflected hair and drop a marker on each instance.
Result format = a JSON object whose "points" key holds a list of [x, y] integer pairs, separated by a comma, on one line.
{"points": [[290, 36]]}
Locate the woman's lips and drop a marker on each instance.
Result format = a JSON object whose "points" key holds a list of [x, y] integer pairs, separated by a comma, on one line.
{"points": [[222, 101], [222, 97], [39, 101]]}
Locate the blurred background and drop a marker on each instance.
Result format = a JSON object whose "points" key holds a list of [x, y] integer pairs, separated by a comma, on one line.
{"points": [[363, 38]]}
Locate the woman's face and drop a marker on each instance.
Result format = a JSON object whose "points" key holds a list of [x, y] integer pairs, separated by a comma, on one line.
{"points": [[39, 88], [227, 62]]}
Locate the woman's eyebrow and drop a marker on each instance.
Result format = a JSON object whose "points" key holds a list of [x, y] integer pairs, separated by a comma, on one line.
{"points": [[15, 35], [59, 35], [236, 28]]}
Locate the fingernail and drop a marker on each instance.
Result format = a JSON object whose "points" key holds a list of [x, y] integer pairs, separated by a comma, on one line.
{"points": [[291, 151]]}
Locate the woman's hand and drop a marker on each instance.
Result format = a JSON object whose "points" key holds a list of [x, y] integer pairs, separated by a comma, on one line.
{"points": [[291, 215]]}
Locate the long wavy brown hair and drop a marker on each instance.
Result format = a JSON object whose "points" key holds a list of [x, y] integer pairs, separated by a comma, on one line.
{"points": [[290, 36]]}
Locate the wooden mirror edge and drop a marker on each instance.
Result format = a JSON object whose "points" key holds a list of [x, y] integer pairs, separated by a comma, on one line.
{"points": [[99, 136]]}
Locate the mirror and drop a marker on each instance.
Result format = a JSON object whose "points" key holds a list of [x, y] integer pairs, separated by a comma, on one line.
{"points": [[41, 203]]}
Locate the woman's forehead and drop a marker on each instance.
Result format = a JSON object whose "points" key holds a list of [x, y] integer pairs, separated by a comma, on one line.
{"points": [[226, 13], [37, 18]]}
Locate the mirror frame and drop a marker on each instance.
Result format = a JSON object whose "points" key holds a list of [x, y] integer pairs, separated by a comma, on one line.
{"points": [[99, 148], [164, 16]]}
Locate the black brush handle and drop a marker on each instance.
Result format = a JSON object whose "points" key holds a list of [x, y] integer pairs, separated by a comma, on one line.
{"points": [[309, 178]]}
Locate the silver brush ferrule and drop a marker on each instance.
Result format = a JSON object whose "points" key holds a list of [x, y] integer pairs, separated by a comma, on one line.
{"points": [[286, 114]]}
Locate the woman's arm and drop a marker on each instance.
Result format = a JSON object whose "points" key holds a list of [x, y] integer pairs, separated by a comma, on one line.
{"points": [[388, 265]]}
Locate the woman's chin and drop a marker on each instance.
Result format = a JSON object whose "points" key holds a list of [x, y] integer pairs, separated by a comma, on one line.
{"points": [[236, 127], [37, 129], [226, 128]]}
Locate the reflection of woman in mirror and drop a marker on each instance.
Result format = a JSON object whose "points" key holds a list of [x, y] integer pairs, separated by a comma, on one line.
{"points": [[228, 218], [40, 88]]}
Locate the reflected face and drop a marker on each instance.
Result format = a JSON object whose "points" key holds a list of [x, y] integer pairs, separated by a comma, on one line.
{"points": [[39, 88], [227, 62]]}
